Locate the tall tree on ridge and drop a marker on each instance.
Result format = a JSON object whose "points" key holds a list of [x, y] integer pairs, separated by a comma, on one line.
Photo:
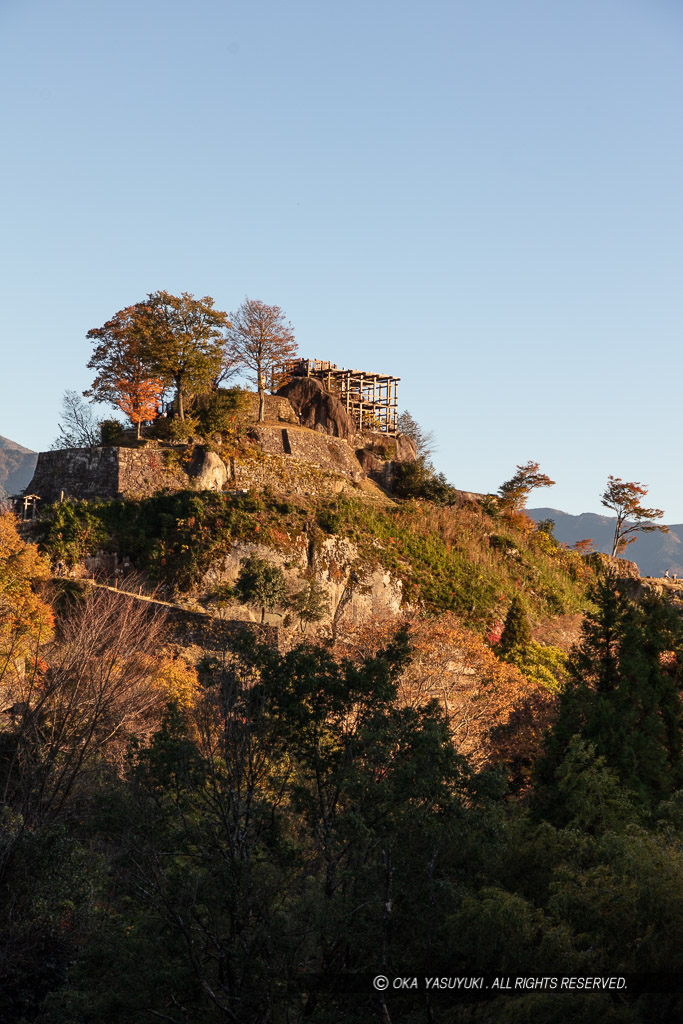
{"points": [[124, 374], [185, 341], [514, 492], [624, 498], [263, 339]]}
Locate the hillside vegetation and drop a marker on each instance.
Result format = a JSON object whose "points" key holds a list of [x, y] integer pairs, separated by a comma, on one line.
{"points": [[252, 831], [254, 838], [466, 559]]}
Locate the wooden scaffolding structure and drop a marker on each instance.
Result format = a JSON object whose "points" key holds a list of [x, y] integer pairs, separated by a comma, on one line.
{"points": [[371, 399]]}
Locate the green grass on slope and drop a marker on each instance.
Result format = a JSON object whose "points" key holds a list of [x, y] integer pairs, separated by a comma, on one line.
{"points": [[449, 558]]}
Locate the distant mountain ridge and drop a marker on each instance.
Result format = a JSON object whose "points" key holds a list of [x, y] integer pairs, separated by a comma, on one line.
{"points": [[16, 466], [654, 553]]}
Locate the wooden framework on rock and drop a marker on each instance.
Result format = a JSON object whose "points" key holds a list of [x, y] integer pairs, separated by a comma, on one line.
{"points": [[371, 399]]}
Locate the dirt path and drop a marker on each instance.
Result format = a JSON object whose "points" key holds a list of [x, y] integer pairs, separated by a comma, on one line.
{"points": [[139, 596]]}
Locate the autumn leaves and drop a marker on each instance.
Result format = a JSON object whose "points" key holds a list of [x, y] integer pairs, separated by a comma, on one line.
{"points": [[185, 344]]}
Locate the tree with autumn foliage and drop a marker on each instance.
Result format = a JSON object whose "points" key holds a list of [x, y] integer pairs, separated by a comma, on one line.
{"points": [[140, 401], [122, 361], [185, 341], [624, 499], [26, 620], [263, 339], [514, 492]]}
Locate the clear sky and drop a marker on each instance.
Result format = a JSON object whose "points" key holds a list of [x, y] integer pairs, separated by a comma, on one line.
{"points": [[482, 197]]}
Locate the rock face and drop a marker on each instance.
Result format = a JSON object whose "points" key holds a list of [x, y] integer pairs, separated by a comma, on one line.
{"points": [[317, 409], [621, 567], [398, 448], [381, 455], [355, 592], [208, 471]]}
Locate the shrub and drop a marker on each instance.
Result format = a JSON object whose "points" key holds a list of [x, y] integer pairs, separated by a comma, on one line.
{"points": [[111, 431], [219, 412], [416, 480]]}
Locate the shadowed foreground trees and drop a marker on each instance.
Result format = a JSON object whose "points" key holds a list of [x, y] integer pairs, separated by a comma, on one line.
{"points": [[622, 697], [296, 820]]}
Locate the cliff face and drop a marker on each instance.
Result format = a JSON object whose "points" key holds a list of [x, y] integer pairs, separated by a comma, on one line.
{"points": [[355, 592]]}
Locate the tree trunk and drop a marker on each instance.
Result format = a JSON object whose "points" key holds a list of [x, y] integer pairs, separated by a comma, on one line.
{"points": [[178, 381], [139, 426], [261, 385], [617, 536]]}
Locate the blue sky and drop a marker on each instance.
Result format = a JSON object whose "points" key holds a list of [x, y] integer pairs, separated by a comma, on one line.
{"points": [[483, 198]]}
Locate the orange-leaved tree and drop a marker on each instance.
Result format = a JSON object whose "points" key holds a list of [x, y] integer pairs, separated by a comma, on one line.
{"points": [[124, 374], [514, 492], [454, 666], [624, 499], [140, 399], [26, 620]]}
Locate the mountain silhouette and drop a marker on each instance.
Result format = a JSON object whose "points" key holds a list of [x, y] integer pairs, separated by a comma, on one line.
{"points": [[16, 466], [653, 553]]}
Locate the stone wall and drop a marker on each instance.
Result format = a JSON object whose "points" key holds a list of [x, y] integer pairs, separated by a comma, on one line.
{"points": [[291, 459], [332, 454], [189, 629], [76, 473], [90, 473], [277, 407], [144, 471]]}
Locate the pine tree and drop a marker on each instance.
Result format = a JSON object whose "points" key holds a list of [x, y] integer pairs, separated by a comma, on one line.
{"points": [[516, 633], [622, 697]]}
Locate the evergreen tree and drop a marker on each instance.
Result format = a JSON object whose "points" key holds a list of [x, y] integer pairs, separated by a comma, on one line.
{"points": [[622, 697], [516, 633], [261, 583], [310, 603]]}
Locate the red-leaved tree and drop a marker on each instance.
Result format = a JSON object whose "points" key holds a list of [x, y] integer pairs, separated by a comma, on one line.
{"points": [[140, 399], [124, 376], [624, 499]]}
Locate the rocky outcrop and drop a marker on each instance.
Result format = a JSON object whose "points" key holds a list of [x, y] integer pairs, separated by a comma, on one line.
{"points": [[207, 471], [381, 455], [398, 448], [318, 409], [355, 592], [621, 567]]}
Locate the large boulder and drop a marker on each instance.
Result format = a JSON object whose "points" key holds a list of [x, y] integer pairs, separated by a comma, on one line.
{"points": [[317, 408], [208, 471], [396, 448], [622, 568]]}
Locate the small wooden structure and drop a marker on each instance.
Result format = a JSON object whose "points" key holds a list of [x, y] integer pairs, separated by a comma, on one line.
{"points": [[371, 399], [25, 505]]}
